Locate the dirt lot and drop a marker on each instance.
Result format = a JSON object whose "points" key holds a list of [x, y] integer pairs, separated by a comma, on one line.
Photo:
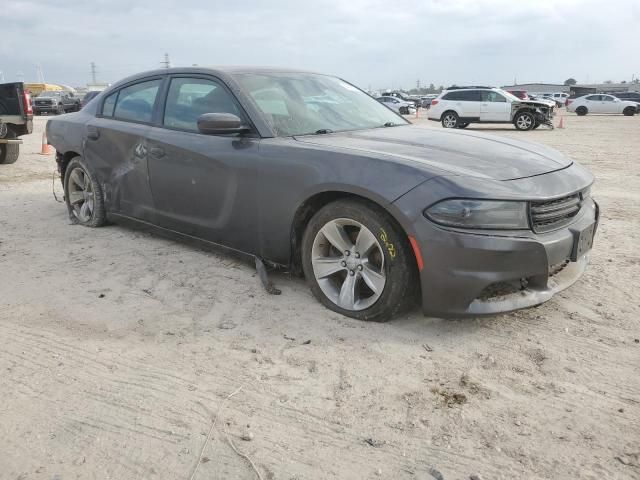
{"points": [[118, 349]]}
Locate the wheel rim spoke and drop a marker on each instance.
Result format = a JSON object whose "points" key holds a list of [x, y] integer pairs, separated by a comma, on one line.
{"points": [[75, 197], [347, 298], [336, 235], [325, 267], [373, 279], [76, 179], [365, 241]]}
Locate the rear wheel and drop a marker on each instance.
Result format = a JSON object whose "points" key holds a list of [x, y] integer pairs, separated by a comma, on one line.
{"points": [[9, 152], [358, 261], [524, 121], [83, 194], [629, 111], [581, 111], [450, 120]]}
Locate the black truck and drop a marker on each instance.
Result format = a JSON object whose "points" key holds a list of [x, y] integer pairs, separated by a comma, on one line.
{"points": [[16, 119]]}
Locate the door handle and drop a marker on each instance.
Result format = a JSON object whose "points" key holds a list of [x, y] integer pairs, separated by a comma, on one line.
{"points": [[156, 152], [93, 133]]}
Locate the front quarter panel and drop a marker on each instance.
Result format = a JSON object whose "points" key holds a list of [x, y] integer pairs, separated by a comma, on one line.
{"points": [[293, 172]]}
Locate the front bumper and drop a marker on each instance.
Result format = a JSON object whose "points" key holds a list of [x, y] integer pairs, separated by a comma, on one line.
{"points": [[470, 274]]}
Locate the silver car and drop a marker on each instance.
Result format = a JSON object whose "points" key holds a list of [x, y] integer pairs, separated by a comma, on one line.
{"points": [[397, 105]]}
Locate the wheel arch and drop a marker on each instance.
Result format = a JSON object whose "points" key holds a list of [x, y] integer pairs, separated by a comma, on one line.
{"points": [[315, 202], [63, 159], [448, 110]]}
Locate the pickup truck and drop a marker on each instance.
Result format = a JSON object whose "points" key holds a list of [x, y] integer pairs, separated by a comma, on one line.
{"points": [[16, 119], [56, 102]]}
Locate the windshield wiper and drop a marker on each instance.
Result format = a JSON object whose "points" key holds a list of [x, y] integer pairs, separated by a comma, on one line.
{"points": [[323, 131], [389, 124]]}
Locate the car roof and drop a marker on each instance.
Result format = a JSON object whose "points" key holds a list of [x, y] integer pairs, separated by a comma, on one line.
{"points": [[221, 71]]}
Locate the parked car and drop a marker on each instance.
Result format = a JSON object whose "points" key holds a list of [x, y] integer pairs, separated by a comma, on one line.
{"points": [[521, 94], [57, 102], [397, 105], [599, 103], [427, 99], [457, 107], [369, 207], [88, 97], [16, 119], [628, 96], [559, 97], [402, 96]]}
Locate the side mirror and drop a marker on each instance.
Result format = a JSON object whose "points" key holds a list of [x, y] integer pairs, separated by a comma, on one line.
{"points": [[220, 123]]}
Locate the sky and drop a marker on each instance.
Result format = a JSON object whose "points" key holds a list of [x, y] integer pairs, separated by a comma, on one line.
{"points": [[374, 44]]}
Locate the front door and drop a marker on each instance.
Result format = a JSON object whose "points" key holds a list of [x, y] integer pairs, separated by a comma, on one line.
{"points": [[494, 107], [204, 185]]}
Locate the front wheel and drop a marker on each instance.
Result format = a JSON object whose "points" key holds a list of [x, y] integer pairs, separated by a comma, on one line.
{"points": [[629, 111], [60, 110], [358, 261], [524, 121], [581, 111], [83, 194], [450, 120]]}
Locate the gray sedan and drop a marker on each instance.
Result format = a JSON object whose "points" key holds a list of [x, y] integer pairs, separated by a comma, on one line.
{"points": [[306, 172]]}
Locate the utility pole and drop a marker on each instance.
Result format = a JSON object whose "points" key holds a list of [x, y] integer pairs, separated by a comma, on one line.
{"points": [[39, 74], [93, 73], [418, 84], [167, 62], [1, 76]]}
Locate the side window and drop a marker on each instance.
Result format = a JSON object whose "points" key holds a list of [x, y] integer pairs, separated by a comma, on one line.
{"points": [[470, 96], [607, 98], [135, 102], [490, 96], [109, 105], [452, 96], [593, 98], [188, 98]]}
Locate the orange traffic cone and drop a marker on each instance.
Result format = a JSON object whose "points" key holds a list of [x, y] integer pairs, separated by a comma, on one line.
{"points": [[46, 148], [561, 124], [417, 112]]}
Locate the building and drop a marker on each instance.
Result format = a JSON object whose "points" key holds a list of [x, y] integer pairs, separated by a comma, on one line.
{"points": [[539, 87]]}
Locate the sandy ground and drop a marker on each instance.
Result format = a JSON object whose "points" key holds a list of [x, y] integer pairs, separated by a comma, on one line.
{"points": [[118, 348]]}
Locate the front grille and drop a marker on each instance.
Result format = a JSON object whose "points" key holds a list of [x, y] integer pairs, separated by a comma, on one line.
{"points": [[553, 214]]}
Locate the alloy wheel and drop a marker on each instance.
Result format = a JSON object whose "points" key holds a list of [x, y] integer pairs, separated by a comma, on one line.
{"points": [[348, 263], [449, 121], [81, 194], [524, 122]]}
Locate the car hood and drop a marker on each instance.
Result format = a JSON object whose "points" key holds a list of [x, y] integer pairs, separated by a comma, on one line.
{"points": [[449, 151]]}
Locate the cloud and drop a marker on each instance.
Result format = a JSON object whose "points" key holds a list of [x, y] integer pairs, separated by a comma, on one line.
{"points": [[377, 43]]}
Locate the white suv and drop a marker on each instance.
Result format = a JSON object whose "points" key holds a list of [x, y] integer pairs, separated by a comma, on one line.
{"points": [[457, 107]]}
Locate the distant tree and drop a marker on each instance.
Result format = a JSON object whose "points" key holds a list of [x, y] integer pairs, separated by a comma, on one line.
{"points": [[608, 81], [636, 80], [623, 81], [570, 81]]}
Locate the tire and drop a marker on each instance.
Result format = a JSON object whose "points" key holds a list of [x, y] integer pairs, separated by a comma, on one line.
{"points": [[629, 111], [9, 153], [81, 187], [581, 111], [60, 110], [450, 119], [404, 110], [463, 125], [388, 264], [536, 125], [524, 121]]}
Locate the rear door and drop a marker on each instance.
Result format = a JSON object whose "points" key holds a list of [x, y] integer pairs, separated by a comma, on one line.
{"points": [[494, 107], [116, 145], [204, 185]]}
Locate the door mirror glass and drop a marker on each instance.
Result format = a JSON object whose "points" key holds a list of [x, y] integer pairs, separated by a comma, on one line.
{"points": [[220, 123]]}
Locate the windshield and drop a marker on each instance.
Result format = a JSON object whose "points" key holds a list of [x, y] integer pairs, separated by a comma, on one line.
{"points": [[510, 96], [50, 94], [306, 103]]}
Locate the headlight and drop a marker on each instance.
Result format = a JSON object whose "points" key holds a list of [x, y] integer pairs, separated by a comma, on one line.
{"points": [[492, 214]]}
